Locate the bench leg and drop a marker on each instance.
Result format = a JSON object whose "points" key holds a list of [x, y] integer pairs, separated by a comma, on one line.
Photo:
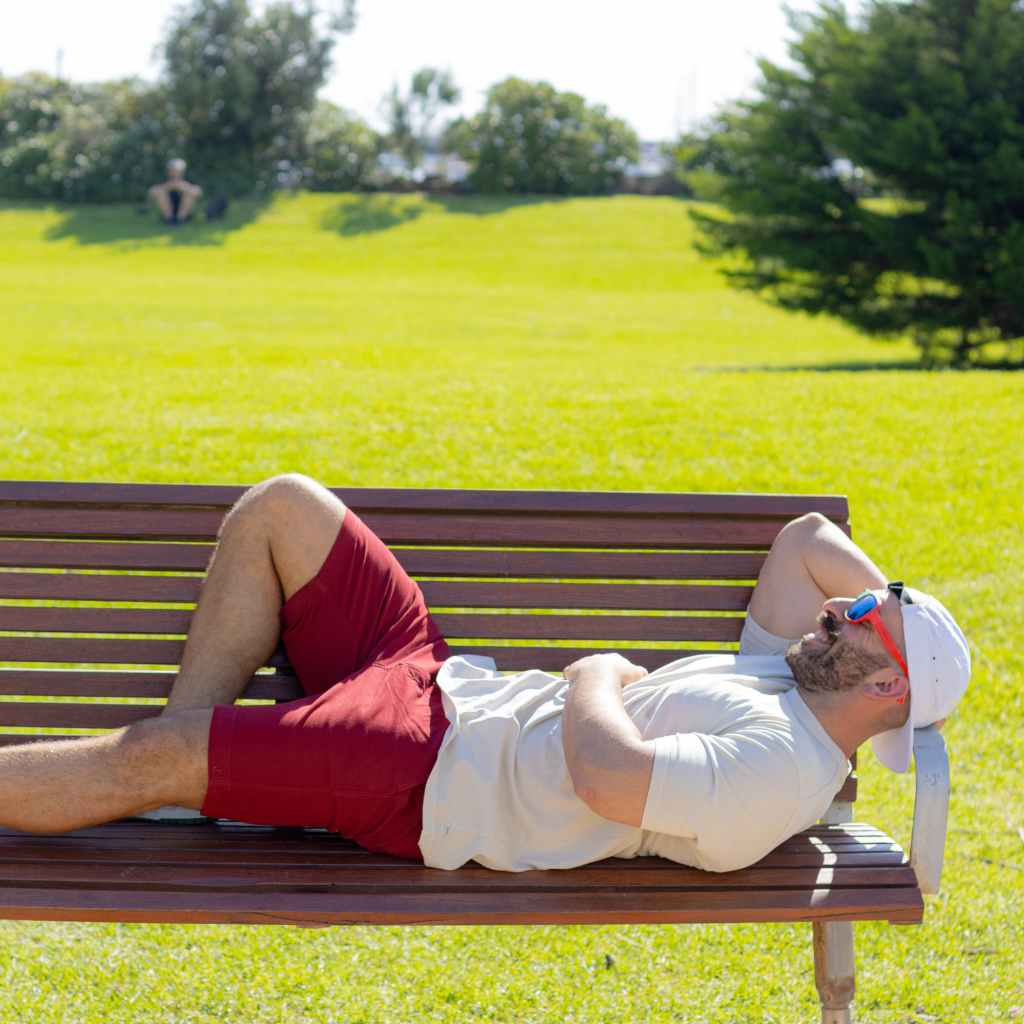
{"points": [[833, 970]]}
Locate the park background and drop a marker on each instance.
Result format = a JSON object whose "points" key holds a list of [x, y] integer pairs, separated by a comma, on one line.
{"points": [[432, 338]]}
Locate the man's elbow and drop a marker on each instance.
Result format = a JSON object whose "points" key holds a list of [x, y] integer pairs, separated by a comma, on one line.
{"points": [[607, 804]]}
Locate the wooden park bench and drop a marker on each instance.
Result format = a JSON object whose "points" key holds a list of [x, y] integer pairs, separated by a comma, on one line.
{"points": [[96, 584]]}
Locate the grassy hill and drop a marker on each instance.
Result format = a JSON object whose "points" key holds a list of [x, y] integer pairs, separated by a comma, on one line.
{"points": [[402, 341]]}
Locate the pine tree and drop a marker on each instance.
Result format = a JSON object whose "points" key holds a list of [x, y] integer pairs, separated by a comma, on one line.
{"points": [[881, 178]]}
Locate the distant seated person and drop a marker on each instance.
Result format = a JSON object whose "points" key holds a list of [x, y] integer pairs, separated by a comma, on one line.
{"points": [[176, 197]]}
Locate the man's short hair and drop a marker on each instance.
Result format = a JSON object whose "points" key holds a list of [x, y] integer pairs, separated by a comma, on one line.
{"points": [[176, 164]]}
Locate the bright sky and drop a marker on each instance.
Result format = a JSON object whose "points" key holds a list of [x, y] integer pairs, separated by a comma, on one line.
{"points": [[659, 64]]}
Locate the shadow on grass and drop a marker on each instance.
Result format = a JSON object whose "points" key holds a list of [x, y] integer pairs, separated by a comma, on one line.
{"points": [[138, 226], [368, 213], [843, 367], [862, 367]]}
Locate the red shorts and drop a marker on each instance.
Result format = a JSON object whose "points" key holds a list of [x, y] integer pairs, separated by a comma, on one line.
{"points": [[354, 755]]}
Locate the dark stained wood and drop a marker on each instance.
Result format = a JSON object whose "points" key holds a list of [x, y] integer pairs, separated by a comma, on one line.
{"points": [[589, 627], [198, 875], [68, 586], [613, 531], [639, 596], [78, 586], [897, 905], [438, 499], [113, 651], [506, 625], [169, 557], [81, 715], [53, 554], [121, 683]]}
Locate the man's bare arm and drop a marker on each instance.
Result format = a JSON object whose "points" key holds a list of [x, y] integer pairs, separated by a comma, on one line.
{"points": [[810, 561], [609, 762]]}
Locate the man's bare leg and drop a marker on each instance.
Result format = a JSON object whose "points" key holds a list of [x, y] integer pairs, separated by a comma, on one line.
{"points": [[810, 561], [271, 543], [61, 785], [160, 196], [189, 198]]}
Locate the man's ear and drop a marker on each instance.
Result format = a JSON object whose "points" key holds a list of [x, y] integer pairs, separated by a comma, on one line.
{"points": [[886, 684]]}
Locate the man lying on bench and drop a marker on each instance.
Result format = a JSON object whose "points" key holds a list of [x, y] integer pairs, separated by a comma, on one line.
{"points": [[711, 760]]}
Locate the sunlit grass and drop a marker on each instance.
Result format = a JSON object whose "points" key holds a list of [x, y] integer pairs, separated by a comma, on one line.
{"points": [[380, 341]]}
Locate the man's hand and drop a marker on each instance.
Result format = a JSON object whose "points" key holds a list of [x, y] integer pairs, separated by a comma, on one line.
{"points": [[622, 667]]}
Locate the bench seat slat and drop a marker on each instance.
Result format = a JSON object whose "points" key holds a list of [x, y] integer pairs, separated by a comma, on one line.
{"points": [[894, 904], [254, 877]]}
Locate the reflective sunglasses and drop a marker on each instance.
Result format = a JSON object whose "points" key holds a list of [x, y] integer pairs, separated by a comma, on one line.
{"points": [[865, 609]]}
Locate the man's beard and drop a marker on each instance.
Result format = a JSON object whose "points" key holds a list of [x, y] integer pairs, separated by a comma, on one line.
{"points": [[814, 664]]}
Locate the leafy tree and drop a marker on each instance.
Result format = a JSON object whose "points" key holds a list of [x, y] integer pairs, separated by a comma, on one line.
{"points": [[410, 117], [341, 150], [881, 179], [242, 85], [531, 138]]}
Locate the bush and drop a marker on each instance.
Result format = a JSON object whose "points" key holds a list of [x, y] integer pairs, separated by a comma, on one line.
{"points": [[95, 143]]}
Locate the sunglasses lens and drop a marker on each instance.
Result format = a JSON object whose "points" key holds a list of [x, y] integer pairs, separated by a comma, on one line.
{"points": [[861, 607]]}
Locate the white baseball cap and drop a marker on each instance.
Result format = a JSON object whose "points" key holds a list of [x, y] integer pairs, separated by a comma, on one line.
{"points": [[940, 668]]}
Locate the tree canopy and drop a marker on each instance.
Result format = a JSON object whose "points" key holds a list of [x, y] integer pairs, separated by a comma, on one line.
{"points": [[531, 138], [243, 85], [410, 116], [880, 179]]}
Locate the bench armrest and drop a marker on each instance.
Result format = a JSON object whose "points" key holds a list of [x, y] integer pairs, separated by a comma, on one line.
{"points": [[931, 807]]}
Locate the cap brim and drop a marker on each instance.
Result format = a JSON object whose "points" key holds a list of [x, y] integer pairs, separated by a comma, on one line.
{"points": [[894, 747]]}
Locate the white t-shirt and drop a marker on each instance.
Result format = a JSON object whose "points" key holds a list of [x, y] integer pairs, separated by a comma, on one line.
{"points": [[740, 764]]}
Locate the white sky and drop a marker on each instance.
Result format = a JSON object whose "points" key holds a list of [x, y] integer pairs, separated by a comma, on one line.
{"points": [[659, 64]]}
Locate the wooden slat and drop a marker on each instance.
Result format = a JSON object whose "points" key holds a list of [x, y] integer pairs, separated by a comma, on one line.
{"points": [[469, 625], [14, 618], [897, 905], [614, 531], [169, 557], [463, 593], [52, 554], [80, 715], [223, 844], [107, 683], [589, 627], [639, 596], [77, 586], [202, 876], [440, 499], [110, 651]]}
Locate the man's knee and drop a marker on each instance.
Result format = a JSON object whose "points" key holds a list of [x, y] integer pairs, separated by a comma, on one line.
{"points": [[165, 758], [800, 531], [289, 502]]}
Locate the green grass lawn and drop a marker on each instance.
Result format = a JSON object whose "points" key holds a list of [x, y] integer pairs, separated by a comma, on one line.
{"points": [[398, 341]]}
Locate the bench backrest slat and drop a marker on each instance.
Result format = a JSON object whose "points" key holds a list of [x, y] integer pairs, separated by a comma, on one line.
{"points": [[90, 575]]}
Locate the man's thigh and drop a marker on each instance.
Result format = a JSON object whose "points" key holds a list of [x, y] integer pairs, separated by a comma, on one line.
{"points": [[359, 608]]}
